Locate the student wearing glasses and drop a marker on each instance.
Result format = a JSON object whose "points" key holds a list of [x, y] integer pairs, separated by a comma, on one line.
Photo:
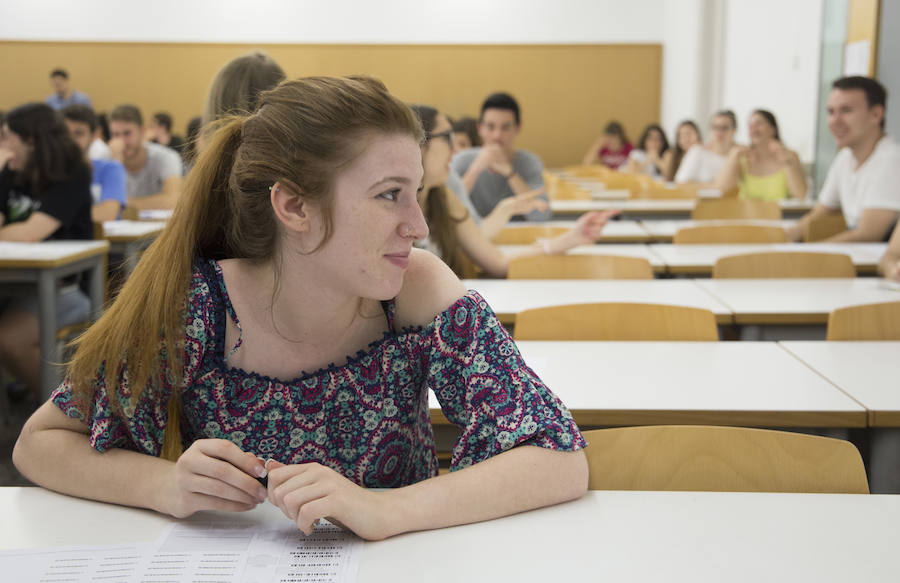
{"points": [[703, 162], [452, 230]]}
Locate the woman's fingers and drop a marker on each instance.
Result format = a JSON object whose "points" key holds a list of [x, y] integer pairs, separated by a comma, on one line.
{"points": [[204, 485]]}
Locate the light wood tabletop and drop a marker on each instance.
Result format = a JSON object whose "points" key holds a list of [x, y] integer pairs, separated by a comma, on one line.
{"points": [[509, 297], [48, 254], [708, 383], [794, 301], [696, 537], [867, 371], [616, 231]]}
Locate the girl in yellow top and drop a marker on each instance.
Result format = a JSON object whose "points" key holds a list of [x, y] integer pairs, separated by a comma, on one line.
{"points": [[765, 170]]}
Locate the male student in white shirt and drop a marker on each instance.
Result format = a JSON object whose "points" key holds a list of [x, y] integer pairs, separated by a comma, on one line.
{"points": [[864, 179]]}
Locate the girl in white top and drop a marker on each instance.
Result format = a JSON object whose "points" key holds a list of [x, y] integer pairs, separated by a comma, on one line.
{"points": [[651, 155], [702, 163]]}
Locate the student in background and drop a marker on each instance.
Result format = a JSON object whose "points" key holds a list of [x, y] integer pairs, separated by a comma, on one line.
{"points": [[99, 149], [498, 170], [687, 135], [190, 142], [290, 251], [702, 163], [63, 95], [651, 155], [864, 178], [765, 170], [236, 87], [108, 177], [465, 134], [154, 171], [160, 132], [45, 194], [611, 149], [452, 230]]}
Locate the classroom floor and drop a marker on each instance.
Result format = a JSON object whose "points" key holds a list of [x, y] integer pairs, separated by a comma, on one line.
{"points": [[9, 431]]}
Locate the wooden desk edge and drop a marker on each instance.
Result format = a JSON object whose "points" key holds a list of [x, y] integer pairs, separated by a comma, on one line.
{"points": [[51, 263], [884, 418], [774, 319]]}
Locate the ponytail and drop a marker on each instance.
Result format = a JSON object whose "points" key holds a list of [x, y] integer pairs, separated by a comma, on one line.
{"points": [[155, 295]]}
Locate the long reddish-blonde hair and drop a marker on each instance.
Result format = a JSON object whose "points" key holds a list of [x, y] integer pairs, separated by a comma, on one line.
{"points": [[303, 134]]}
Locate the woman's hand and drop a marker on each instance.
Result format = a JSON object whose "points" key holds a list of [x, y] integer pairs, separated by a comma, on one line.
{"points": [[893, 271], [214, 474], [522, 204], [306, 493], [589, 226]]}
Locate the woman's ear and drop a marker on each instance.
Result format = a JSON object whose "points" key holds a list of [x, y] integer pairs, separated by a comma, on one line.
{"points": [[290, 207]]}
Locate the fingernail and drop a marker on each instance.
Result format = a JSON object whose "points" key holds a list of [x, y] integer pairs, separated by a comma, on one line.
{"points": [[261, 471], [262, 493]]}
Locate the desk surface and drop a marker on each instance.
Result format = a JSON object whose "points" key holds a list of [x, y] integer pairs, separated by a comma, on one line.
{"points": [[613, 232], [708, 383], [794, 301], [664, 230], [653, 206], [867, 371], [48, 254], [126, 231], [509, 297], [699, 259], [614, 536]]}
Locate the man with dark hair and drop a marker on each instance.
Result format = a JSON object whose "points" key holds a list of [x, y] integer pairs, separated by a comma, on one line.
{"points": [[108, 177], [154, 171], [63, 95], [161, 132], [864, 178], [497, 170]]}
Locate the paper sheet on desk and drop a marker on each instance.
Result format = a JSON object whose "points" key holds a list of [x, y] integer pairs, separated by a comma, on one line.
{"points": [[221, 552], [889, 284]]}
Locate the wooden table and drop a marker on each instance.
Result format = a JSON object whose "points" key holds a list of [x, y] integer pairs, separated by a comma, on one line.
{"points": [[614, 232], [624, 249], [707, 383], [129, 238], [696, 537], [647, 208], [794, 301], [867, 371], [509, 297], [44, 265], [699, 259]]}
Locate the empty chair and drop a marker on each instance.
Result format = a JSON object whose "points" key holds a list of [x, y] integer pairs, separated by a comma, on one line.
{"points": [[865, 322], [777, 264], [821, 228], [650, 188], [730, 234], [616, 321], [735, 208], [721, 459], [527, 235], [579, 267]]}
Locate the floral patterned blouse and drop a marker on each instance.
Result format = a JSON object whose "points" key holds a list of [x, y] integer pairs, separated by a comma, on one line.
{"points": [[367, 419]]}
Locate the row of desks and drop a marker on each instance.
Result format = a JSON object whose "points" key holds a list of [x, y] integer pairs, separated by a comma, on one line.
{"points": [[640, 208], [761, 384], [732, 301], [650, 230], [695, 537]]}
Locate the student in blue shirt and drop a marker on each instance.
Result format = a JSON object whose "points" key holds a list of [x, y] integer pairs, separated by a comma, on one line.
{"points": [[63, 95], [108, 179]]}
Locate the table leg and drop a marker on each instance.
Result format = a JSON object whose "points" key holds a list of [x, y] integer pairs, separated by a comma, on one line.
{"points": [[96, 287], [47, 317]]}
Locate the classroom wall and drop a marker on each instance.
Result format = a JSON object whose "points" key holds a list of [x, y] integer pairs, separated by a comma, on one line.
{"points": [[772, 62], [889, 63]]}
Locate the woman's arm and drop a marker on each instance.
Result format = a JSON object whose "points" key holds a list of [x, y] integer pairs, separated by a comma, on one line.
{"points": [[730, 173], [509, 207], [54, 451], [36, 228], [795, 178], [592, 156]]}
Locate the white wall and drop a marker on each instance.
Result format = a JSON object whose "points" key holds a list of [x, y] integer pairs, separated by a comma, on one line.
{"points": [[772, 57], [716, 53]]}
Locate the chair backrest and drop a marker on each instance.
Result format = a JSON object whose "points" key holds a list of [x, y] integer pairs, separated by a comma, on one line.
{"points": [[823, 227], [650, 188], [730, 234], [721, 459], [735, 208], [778, 264], [592, 171], [527, 235], [615, 180], [560, 189], [865, 322], [579, 267], [616, 321]]}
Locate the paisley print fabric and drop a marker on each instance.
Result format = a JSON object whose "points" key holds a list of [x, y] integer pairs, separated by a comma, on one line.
{"points": [[367, 419]]}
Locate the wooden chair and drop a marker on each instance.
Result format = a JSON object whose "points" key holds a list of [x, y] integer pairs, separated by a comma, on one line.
{"points": [[824, 227], [730, 234], [592, 171], [735, 208], [527, 235], [579, 267], [721, 459], [616, 321], [563, 190], [650, 188], [784, 264], [615, 180], [865, 322]]}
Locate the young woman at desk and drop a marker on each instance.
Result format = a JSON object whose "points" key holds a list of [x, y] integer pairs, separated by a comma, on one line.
{"points": [[291, 249], [452, 230], [766, 170], [45, 193]]}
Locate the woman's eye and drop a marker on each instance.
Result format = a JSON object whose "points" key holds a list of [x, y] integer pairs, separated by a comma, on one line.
{"points": [[391, 195]]}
